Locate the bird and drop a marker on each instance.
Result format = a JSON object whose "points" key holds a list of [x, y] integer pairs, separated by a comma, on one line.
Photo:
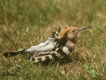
{"points": [[61, 43], [67, 38]]}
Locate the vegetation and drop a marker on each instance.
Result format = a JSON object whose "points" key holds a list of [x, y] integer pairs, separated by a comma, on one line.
{"points": [[28, 22]]}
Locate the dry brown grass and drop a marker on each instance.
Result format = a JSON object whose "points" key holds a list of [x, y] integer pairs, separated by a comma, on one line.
{"points": [[24, 23]]}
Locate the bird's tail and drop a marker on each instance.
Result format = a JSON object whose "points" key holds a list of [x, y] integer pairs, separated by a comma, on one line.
{"points": [[14, 53]]}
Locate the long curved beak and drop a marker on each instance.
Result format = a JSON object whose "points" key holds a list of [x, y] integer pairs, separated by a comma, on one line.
{"points": [[83, 28]]}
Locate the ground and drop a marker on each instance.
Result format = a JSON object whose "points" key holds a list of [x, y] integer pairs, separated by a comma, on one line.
{"points": [[24, 23]]}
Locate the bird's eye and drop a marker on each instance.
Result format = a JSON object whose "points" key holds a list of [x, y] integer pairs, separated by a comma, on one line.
{"points": [[73, 31]]}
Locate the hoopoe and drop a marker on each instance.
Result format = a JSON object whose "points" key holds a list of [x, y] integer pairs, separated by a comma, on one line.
{"points": [[67, 38], [61, 43]]}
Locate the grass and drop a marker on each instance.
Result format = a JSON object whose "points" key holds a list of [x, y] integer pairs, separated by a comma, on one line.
{"points": [[24, 23]]}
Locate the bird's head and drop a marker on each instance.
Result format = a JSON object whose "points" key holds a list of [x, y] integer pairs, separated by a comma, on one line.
{"points": [[70, 33]]}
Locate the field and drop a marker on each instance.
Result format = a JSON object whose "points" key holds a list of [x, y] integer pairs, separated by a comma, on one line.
{"points": [[24, 23]]}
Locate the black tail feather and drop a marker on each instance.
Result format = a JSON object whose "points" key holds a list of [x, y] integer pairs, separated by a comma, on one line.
{"points": [[13, 53], [7, 54]]}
